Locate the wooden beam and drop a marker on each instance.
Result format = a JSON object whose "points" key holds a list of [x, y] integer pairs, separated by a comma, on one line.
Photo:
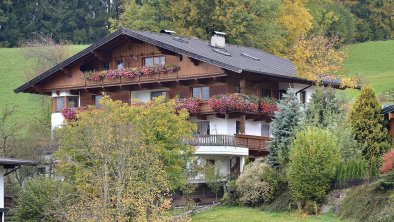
{"points": [[101, 56], [242, 124], [67, 71], [195, 61]]}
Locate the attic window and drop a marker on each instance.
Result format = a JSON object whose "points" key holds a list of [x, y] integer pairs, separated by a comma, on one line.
{"points": [[180, 40], [249, 56], [221, 52]]}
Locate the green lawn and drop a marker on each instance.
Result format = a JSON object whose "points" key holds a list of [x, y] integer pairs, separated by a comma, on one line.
{"points": [[374, 62], [242, 214], [13, 67]]}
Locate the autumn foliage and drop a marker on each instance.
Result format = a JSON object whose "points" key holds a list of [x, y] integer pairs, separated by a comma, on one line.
{"points": [[388, 162]]}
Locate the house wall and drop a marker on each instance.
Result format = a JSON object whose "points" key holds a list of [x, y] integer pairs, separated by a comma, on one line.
{"points": [[298, 86], [2, 172]]}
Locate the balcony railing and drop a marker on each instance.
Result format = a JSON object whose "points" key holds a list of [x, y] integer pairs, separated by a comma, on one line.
{"points": [[257, 143], [213, 140]]}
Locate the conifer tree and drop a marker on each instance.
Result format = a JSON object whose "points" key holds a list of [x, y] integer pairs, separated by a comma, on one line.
{"points": [[323, 109], [367, 124], [284, 125]]}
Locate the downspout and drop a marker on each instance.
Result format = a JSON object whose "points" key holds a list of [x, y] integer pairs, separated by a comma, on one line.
{"points": [[303, 89]]}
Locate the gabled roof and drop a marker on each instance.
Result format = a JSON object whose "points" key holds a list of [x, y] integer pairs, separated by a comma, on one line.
{"points": [[233, 57], [388, 109], [9, 162]]}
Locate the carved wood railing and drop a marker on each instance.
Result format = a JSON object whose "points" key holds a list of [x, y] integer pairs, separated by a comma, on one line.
{"points": [[212, 140], [258, 143]]}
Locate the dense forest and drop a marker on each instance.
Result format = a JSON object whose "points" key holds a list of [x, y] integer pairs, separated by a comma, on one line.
{"points": [[266, 24]]}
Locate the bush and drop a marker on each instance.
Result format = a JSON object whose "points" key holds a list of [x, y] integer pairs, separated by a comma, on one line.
{"points": [[314, 156], [256, 184], [231, 197], [388, 162], [44, 199], [352, 169]]}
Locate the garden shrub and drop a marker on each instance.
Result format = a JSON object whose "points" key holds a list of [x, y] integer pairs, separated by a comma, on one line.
{"points": [[388, 162], [231, 197], [352, 169], [280, 203], [256, 184], [365, 203], [44, 199], [314, 156]]}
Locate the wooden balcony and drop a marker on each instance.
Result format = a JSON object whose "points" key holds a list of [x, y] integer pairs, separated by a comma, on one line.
{"points": [[213, 140], [255, 143]]}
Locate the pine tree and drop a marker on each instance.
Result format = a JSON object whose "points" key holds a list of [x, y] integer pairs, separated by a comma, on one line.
{"points": [[284, 125], [323, 109], [367, 124]]}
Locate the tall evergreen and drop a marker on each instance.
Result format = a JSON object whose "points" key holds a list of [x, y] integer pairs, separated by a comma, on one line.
{"points": [[323, 109], [367, 124], [287, 120]]}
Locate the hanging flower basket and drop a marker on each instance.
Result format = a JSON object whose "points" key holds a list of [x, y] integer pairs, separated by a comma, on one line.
{"points": [[233, 103], [192, 105], [70, 114], [130, 73], [268, 106]]}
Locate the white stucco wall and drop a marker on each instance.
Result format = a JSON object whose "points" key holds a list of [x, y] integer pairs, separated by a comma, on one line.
{"points": [[221, 150], [298, 86], [144, 95], [2, 172], [253, 127], [57, 120]]}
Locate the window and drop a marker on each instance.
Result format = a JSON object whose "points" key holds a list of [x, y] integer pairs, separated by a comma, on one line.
{"points": [[72, 101], [60, 104], [282, 92], [303, 97], [203, 128], [119, 64], [201, 92], [237, 127], [96, 100], [154, 60], [265, 129], [157, 94], [210, 161], [266, 93], [105, 66]]}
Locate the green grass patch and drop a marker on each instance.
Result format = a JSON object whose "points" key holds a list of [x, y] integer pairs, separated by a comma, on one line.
{"points": [[13, 69], [241, 214], [373, 62]]}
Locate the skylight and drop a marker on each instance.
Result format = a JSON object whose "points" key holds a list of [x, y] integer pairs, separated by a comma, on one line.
{"points": [[178, 39], [221, 52], [249, 56]]}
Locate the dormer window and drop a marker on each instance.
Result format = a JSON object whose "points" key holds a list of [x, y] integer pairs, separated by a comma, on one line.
{"points": [[154, 60]]}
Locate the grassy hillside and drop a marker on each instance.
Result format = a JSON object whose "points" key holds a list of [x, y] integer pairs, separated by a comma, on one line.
{"points": [[374, 62], [13, 68]]}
